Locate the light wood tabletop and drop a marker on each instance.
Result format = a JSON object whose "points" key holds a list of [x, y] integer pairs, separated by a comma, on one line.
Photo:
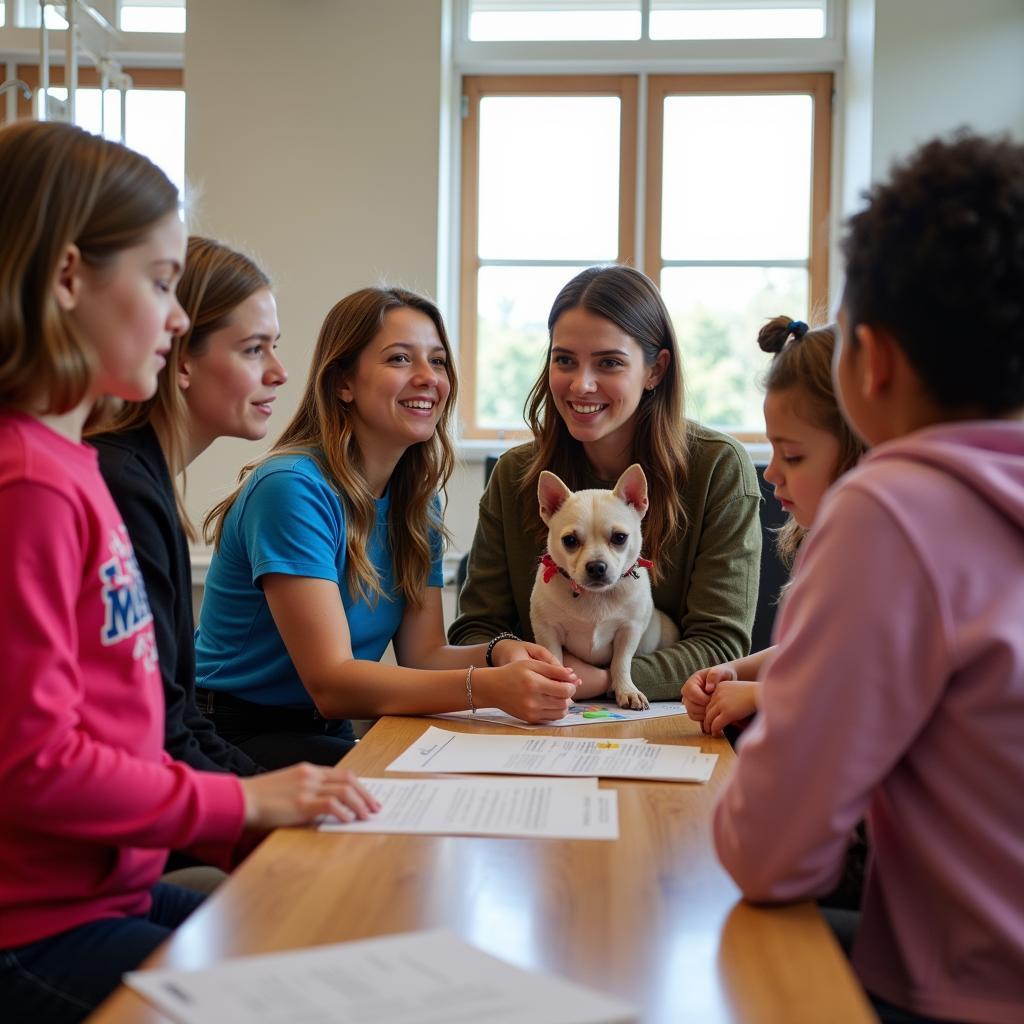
{"points": [[651, 918]]}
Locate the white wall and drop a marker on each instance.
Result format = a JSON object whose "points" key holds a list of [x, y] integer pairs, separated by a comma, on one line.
{"points": [[920, 68], [944, 63], [312, 140]]}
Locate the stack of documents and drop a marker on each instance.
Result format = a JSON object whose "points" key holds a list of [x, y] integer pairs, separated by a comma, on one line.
{"points": [[526, 807], [438, 750], [419, 978]]}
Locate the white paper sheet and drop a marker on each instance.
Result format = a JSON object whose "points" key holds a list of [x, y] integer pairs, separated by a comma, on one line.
{"points": [[430, 977], [439, 750], [536, 808], [597, 712]]}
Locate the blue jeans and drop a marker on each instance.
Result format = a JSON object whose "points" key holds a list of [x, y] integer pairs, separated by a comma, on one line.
{"points": [[65, 977]]}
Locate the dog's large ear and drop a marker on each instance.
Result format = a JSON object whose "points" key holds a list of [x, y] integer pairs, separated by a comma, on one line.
{"points": [[551, 493], [631, 487]]}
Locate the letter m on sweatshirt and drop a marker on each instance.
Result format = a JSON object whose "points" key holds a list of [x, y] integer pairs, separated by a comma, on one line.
{"points": [[126, 607]]}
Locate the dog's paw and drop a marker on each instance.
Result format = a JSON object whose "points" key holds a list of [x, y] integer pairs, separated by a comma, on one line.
{"points": [[632, 698]]}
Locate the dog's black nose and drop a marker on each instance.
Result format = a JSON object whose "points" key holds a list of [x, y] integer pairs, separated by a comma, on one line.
{"points": [[596, 570]]}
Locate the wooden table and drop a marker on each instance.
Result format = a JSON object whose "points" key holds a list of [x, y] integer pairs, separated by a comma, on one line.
{"points": [[651, 918]]}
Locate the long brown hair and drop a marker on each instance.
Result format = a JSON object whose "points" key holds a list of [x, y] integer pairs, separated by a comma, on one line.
{"points": [[215, 282], [323, 430], [631, 301], [802, 361], [60, 185]]}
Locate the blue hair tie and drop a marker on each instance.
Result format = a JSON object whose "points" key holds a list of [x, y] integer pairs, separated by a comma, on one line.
{"points": [[797, 328]]}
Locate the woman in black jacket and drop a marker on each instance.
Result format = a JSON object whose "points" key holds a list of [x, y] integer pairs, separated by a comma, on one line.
{"points": [[220, 381]]}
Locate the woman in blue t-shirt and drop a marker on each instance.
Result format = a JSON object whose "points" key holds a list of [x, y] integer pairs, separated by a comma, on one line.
{"points": [[331, 547]]}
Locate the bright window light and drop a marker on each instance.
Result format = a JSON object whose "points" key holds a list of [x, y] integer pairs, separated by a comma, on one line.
{"points": [[717, 312], [737, 177], [549, 177], [548, 193], [155, 122], [736, 186], [153, 18], [54, 19], [678, 19], [536, 21], [512, 335]]}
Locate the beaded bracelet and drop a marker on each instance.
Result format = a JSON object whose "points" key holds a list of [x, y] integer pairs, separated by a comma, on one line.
{"points": [[494, 641], [469, 688]]}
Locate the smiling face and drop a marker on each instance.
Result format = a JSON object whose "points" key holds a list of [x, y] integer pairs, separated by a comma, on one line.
{"points": [[230, 385], [597, 376], [804, 458], [400, 386], [128, 311]]}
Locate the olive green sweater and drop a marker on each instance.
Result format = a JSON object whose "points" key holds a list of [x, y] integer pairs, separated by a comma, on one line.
{"points": [[709, 576]]}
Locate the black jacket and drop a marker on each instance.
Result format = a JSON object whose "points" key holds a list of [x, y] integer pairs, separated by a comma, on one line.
{"points": [[135, 471]]}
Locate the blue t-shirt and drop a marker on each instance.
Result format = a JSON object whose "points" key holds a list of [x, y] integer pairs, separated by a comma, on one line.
{"points": [[287, 520]]}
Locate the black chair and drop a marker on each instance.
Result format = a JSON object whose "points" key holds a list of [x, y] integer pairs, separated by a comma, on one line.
{"points": [[773, 572]]}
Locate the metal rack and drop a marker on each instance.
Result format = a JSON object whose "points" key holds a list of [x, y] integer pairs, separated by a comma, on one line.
{"points": [[90, 34]]}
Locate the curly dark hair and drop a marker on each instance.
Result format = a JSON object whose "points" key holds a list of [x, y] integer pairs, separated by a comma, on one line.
{"points": [[937, 259]]}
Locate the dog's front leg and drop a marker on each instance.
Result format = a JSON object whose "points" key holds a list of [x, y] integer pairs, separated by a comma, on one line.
{"points": [[623, 648], [548, 636]]}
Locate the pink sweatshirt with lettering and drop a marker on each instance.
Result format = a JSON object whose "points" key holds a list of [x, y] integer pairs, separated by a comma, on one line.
{"points": [[898, 693], [89, 801]]}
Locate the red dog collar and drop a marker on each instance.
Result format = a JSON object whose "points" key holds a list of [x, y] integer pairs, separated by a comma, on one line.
{"points": [[552, 568]]}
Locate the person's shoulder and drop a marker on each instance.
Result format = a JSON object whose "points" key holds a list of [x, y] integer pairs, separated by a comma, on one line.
{"points": [[512, 465], [130, 453], [291, 481], [515, 460], [719, 458], [33, 455], [291, 466]]}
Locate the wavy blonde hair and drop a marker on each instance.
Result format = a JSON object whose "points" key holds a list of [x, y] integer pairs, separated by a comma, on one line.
{"points": [[661, 443], [323, 430]]}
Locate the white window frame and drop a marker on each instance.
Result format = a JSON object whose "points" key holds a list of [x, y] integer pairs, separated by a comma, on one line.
{"points": [[643, 57]]}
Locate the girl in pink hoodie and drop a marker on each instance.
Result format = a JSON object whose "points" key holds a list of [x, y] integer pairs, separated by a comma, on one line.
{"points": [[91, 247]]}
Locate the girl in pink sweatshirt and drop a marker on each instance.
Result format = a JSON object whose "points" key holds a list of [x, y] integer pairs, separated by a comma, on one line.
{"points": [[91, 247], [897, 691]]}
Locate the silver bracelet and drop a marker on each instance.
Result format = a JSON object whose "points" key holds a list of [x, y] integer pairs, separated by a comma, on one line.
{"points": [[469, 688], [488, 656]]}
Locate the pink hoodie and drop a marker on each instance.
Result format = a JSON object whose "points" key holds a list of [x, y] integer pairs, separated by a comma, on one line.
{"points": [[89, 801], [898, 693]]}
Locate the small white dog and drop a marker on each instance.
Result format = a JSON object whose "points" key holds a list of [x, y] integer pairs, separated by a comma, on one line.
{"points": [[592, 595]]}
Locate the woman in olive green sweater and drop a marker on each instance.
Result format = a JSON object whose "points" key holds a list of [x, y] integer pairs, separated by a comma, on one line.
{"points": [[610, 395]]}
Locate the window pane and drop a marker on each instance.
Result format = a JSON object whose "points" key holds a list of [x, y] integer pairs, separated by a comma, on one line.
{"points": [[152, 19], [717, 312], [533, 20], [736, 178], [155, 120], [87, 109], [549, 177], [678, 19], [512, 338]]}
